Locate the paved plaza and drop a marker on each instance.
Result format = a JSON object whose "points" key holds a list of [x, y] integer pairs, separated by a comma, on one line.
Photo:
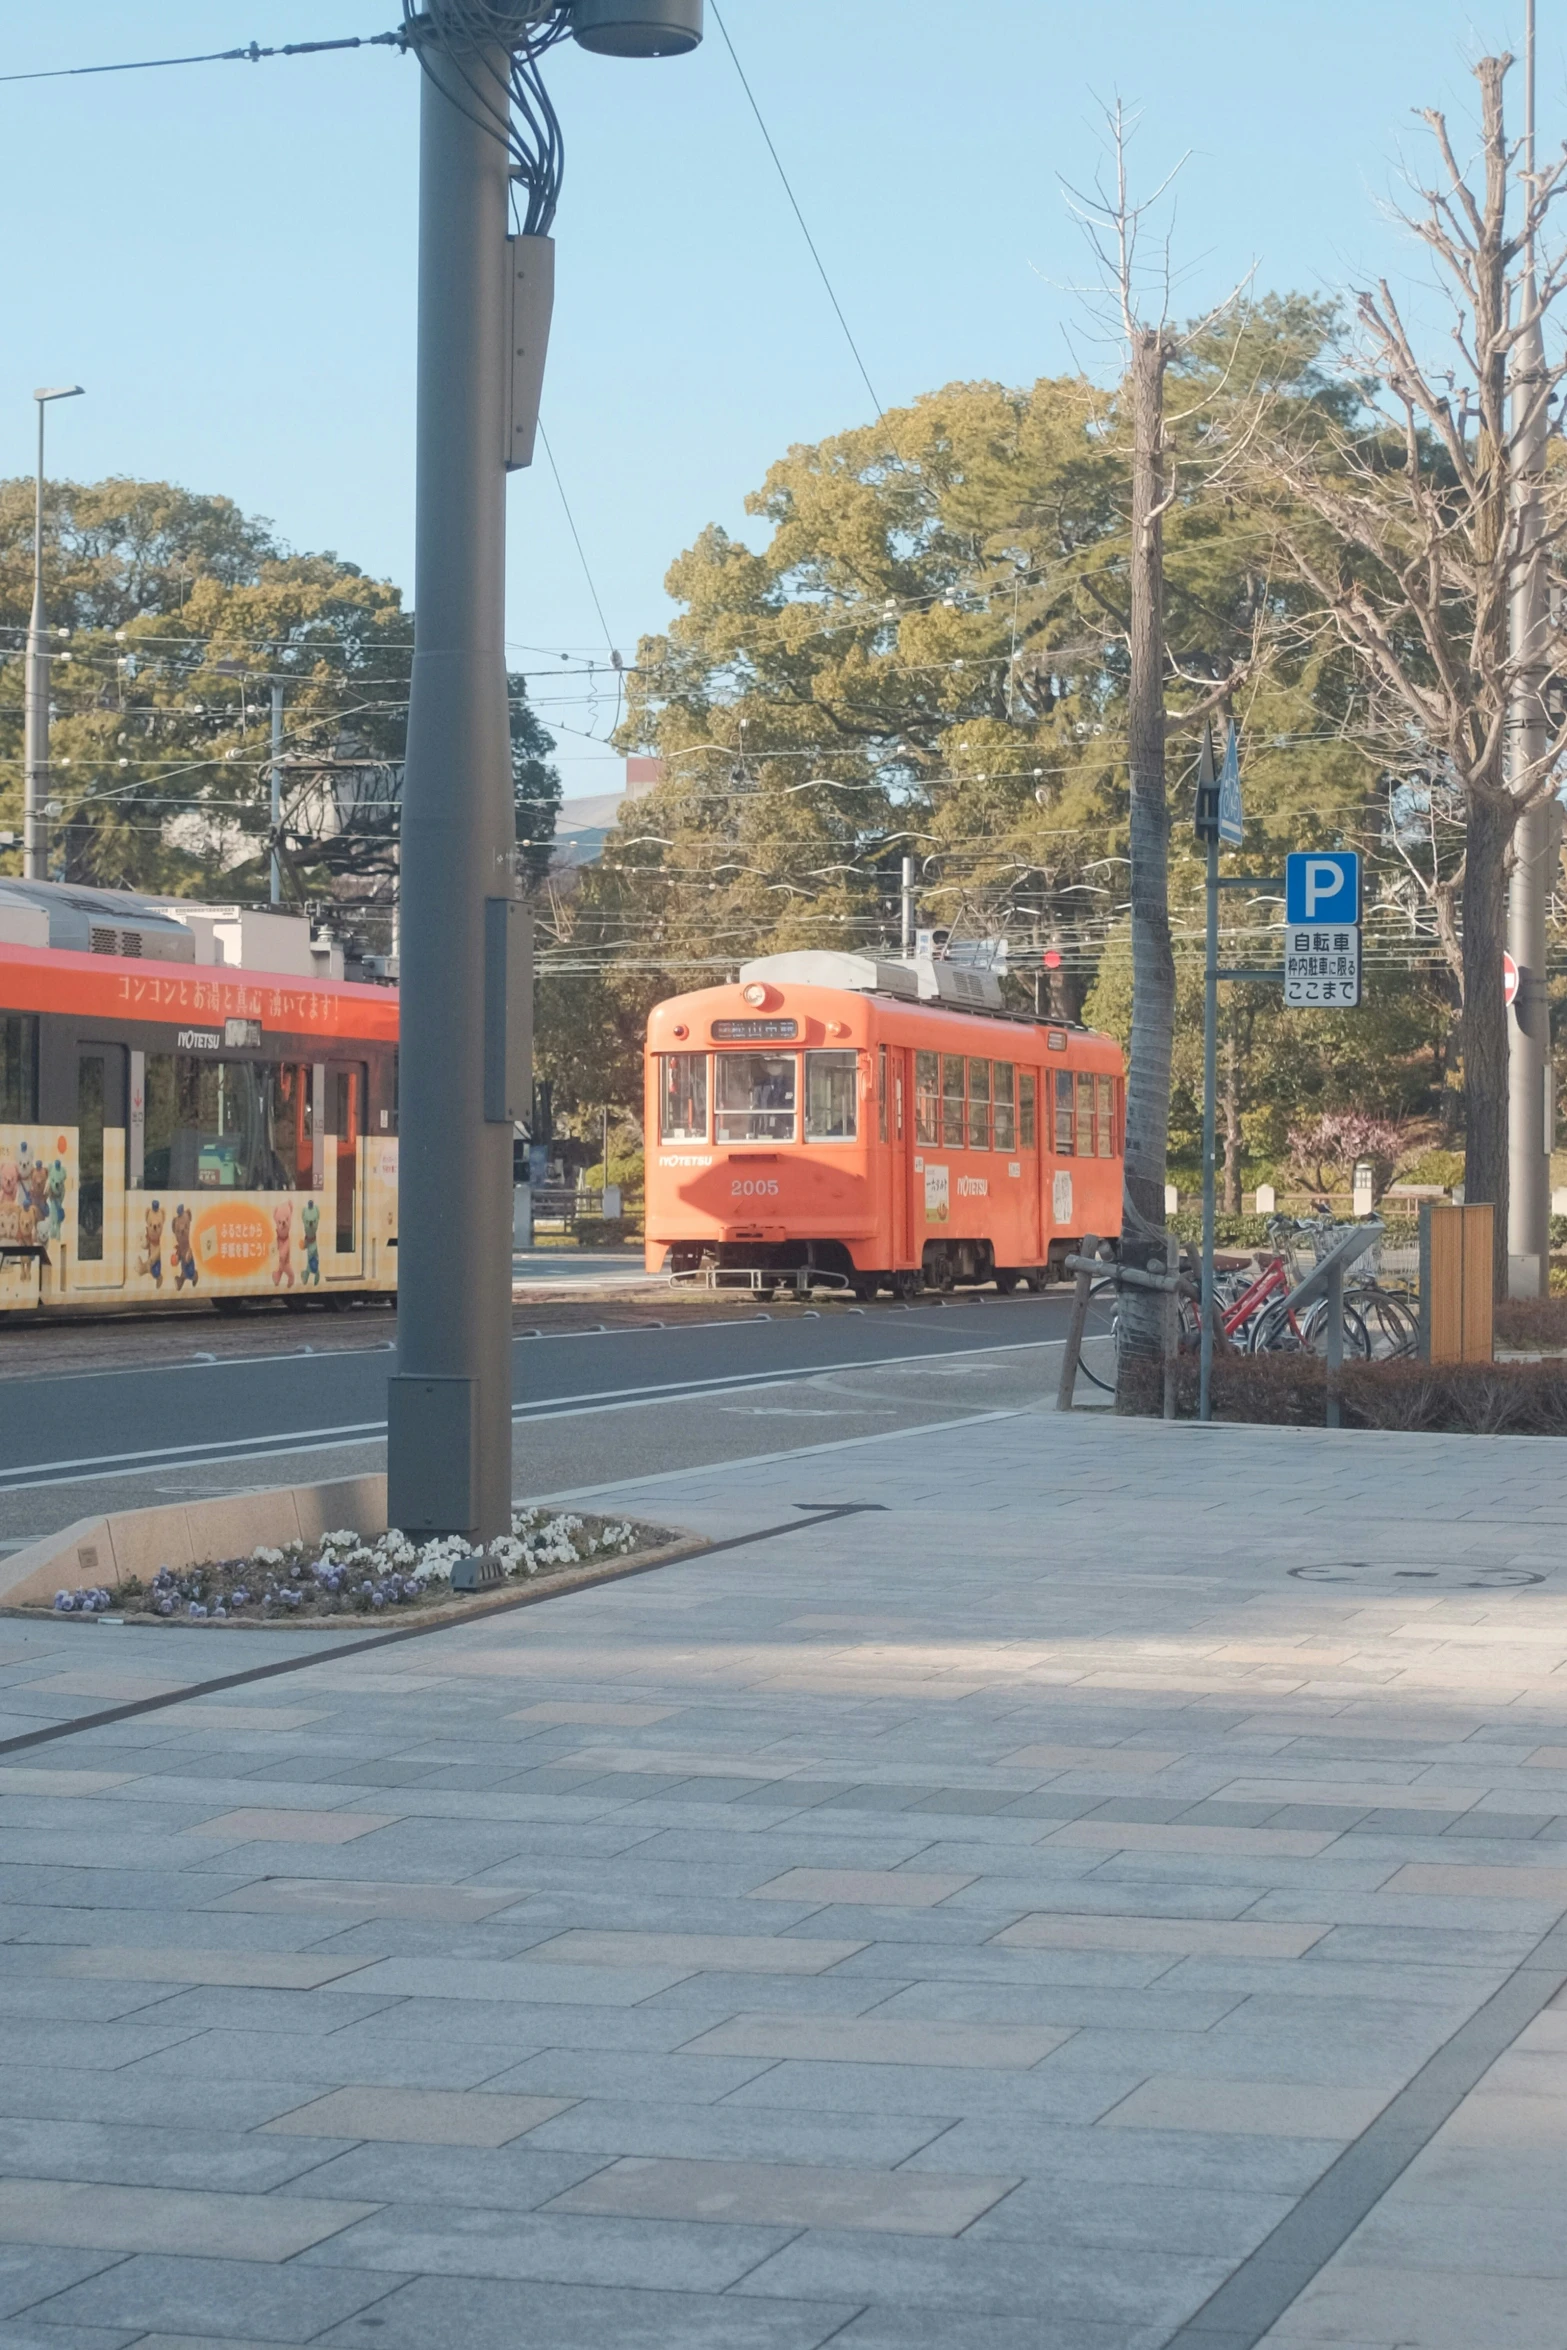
{"points": [[1103, 1894]]}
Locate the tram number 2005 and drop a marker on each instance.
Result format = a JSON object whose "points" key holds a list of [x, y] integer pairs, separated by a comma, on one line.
{"points": [[754, 1190]]}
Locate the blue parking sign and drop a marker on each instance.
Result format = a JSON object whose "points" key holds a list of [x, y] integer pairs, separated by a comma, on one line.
{"points": [[1322, 885]]}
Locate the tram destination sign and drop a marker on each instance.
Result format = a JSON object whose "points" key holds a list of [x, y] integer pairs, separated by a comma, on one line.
{"points": [[1322, 966]]}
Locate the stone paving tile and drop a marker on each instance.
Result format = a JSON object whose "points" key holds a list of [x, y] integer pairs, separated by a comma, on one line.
{"points": [[36, 2334], [368, 1898], [291, 1827], [475, 2313], [611, 2126], [515, 2178], [34, 2273], [1255, 2109], [761, 1954], [96, 2217], [1180, 1936], [994, 2275], [850, 2040], [221, 2297], [868, 1888], [673, 2256], [142, 2155], [426, 2117], [252, 1970], [1391, 2308], [914, 2203]]}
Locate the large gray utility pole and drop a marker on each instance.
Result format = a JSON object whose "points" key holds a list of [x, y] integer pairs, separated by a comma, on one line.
{"points": [[465, 975], [35, 738], [1531, 1083]]}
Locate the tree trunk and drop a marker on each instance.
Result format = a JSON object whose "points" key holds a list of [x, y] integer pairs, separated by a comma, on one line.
{"points": [[1232, 1127], [1485, 1013], [1153, 962]]}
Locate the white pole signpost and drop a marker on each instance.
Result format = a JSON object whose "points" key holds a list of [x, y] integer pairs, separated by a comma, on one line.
{"points": [[1320, 972]]}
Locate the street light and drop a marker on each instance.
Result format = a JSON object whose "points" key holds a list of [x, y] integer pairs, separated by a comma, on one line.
{"points": [[488, 134], [35, 740]]}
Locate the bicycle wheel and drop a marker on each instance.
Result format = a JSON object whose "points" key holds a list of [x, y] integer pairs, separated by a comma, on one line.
{"points": [[1281, 1330], [1390, 1325], [1098, 1291]]}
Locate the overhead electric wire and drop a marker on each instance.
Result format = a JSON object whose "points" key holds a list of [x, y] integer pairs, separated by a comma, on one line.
{"points": [[251, 54], [821, 267], [576, 540]]}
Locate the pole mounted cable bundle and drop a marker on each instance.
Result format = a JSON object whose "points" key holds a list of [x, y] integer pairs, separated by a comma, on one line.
{"points": [[513, 103]]}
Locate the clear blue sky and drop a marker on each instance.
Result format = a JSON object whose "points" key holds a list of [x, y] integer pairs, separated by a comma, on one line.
{"points": [[224, 255]]}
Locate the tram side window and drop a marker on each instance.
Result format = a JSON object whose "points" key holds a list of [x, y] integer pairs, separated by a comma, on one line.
{"points": [[831, 1081], [979, 1105], [1063, 1113], [1003, 1115], [227, 1125], [754, 1096], [1104, 1116], [683, 1095], [18, 1066], [1025, 1109], [1085, 1117], [952, 1125], [927, 1115]]}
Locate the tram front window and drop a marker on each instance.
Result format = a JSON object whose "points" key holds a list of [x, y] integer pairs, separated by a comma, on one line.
{"points": [[754, 1096], [683, 1098], [831, 1081]]}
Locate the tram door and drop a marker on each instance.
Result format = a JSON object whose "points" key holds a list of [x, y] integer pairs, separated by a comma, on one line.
{"points": [[101, 1071], [900, 1107], [343, 1207]]}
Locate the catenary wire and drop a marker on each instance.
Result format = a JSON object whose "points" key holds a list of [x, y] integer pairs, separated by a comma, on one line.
{"points": [[821, 267]]}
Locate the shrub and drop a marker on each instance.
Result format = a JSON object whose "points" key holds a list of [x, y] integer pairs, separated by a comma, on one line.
{"points": [[1291, 1391], [1444, 1167], [1532, 1321], [604, 1231]]}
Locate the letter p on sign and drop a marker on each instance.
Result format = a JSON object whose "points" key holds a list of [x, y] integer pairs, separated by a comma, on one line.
{"points": [[1322, 885]]}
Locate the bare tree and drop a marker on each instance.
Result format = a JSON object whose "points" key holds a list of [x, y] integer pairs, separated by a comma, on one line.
{"points": [[1412, 530], [1115, 226]]}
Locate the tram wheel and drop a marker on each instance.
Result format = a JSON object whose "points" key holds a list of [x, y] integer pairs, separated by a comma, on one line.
{"points": [[1006, 1281], [1037, 1282], [908, 1285]]}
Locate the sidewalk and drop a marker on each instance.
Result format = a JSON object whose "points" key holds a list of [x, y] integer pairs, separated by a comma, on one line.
{"points": [[1103, 1896]]}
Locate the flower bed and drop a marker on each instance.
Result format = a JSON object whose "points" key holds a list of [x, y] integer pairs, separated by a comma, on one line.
{"points": [[351, 1574]]}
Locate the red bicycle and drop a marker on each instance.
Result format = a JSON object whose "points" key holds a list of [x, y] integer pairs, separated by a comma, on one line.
{"points": [[1256, 1313]]}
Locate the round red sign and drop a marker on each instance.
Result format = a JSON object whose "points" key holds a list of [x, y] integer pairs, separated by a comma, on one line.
{"points": [[1509, 979]]}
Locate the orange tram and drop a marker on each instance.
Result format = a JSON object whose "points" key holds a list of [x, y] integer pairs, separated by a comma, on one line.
{"points": [[875, 1125], [193, 1105]]}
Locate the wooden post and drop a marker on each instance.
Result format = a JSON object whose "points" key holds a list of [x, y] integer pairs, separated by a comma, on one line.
{"points": [[1076, 1326], [1457, 1282]]}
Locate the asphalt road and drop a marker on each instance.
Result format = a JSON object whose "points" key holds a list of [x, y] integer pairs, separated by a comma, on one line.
{"points": [[587, 1404]]}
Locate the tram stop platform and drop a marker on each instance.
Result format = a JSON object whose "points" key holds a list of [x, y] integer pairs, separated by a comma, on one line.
{"points": [[1102, 1890]]}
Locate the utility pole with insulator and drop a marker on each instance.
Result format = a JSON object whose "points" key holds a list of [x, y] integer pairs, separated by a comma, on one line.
{"points": [[1531, 1078], [35, 709], [465, 963], [277, 792]]}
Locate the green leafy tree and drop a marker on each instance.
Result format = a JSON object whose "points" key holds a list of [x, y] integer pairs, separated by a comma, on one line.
{"points": [[171, 616]]}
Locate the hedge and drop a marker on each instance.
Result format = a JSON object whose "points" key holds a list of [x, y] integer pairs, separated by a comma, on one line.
{"points": [[1291, 1391]]}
